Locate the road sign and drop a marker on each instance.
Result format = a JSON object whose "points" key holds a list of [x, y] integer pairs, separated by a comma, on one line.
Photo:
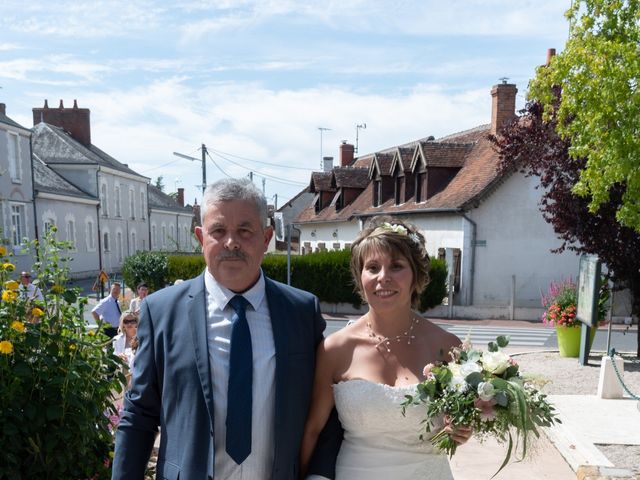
{"points": [[103, 277]]}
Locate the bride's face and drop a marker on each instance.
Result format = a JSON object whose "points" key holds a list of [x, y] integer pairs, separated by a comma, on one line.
{"points": [[387, 280]]}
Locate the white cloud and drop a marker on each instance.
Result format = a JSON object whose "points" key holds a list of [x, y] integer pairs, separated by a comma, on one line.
{"points": [[143, 126]]}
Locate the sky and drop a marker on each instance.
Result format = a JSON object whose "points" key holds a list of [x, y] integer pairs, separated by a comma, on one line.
{"points": [[256, 80]]}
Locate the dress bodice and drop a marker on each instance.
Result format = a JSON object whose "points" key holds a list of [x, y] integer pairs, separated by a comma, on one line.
{"points": [[379, 440]]}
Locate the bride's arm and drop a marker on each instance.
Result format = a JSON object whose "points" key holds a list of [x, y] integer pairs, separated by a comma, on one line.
{"points": [[321, 404]]}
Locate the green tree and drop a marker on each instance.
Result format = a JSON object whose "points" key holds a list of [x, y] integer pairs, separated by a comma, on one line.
{"points": [[159, 184], [598, 108]]}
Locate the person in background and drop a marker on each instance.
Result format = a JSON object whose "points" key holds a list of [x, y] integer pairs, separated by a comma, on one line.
{"points": [[125, 343], [365, 369], [230, 345], [28, 290], [142, 290], [108, 310]]}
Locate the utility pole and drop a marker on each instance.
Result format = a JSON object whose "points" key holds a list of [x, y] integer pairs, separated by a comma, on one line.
{"points": [[204, 168], [204, 164], [322, 130]]}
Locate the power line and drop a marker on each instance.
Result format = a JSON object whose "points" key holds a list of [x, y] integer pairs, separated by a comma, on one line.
{"points": [[270, 177], [159, 166], [259, 161], [217, 166]]}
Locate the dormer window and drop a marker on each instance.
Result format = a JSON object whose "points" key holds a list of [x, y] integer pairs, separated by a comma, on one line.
{"points": [[420, 187], [377, 192], [340, 201], [397, 193]]}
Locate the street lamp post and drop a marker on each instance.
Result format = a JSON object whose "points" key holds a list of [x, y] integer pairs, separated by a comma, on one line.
{"points": [[204, 164]]}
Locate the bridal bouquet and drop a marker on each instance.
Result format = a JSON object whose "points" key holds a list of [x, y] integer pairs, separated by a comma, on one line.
{"points": [[483, 390]]}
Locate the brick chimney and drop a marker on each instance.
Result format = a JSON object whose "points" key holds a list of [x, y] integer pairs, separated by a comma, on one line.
{"points": [[75, 121], [550, 53], [346, 154], [180, 197], [3, 109], [503, 105]]}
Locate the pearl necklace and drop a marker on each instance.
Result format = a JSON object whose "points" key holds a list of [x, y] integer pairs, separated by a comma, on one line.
{"points": [[386, 341]]}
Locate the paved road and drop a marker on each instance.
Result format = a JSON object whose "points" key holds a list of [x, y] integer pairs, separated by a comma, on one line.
{"points": [[522, 336]]}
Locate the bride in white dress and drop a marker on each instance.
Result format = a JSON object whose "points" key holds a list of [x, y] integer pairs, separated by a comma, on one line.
{"points": [[365, 369]]}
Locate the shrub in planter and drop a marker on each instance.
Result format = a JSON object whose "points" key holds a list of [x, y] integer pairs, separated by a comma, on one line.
{"points": [[57, 378], [149, 267]]}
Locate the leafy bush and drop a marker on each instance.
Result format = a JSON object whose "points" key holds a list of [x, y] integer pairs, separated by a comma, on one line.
{"points": [[149, 267], [436, 290], [184, 267], [57, 378]]}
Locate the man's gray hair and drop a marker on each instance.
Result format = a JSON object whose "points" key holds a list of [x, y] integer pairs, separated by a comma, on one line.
{"points": [[229, 189]]}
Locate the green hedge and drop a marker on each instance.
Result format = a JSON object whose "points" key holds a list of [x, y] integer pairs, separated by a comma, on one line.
{"points": [[149, 267], [436, 290], [325, 274]]}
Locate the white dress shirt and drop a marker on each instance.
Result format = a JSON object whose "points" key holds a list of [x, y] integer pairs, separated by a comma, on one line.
{"points": [[259, 463], [109, 309]]}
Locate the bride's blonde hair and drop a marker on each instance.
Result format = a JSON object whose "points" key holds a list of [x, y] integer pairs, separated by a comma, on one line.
{"points": [[396, 238]]}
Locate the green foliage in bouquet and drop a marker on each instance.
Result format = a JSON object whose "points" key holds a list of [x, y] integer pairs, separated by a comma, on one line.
{"points": [[57, 378], [483, 390]]}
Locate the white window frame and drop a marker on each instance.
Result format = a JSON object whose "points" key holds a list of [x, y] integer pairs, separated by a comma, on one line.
{"points": [[117, 196], [163, 238], [104, 199], [13, 155], [154, 236], [90, 234], [19, 228], [143, 214], [134, 243], [119, 246], [132, 204], [106, 242], [70, 228]]}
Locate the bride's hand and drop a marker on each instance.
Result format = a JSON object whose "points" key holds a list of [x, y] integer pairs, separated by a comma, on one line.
{"points": [[460, 434]]}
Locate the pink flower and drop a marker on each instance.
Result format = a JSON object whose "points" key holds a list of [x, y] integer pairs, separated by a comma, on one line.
{"points": [[487, 412], [426, 371]]}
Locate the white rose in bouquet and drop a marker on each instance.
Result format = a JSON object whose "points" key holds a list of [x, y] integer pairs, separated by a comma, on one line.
{"points": [[495, 362]]}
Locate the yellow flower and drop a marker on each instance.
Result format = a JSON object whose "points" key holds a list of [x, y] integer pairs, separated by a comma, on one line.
{"points": [[11, 285], [72, 346], [18, 326], [9, 296], [6, 347], [57, 289], [91, 333], [9, 267], [36, 312], [112, 454], [3, 251]]}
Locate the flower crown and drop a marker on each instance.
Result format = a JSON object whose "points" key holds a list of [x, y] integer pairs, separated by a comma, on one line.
{"points": [[387, 227]]}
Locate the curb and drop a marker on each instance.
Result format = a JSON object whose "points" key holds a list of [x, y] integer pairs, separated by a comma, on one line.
{"points": [[591, 472]]}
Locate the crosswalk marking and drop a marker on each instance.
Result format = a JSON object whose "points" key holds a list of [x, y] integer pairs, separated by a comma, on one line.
{"points": [[483, 334]]}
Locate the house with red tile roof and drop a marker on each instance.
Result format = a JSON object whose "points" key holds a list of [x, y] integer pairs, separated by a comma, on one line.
{"points": [[486, 224]]}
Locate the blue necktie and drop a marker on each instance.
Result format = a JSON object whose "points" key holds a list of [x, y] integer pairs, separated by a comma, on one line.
{"points": [[239, 397]]}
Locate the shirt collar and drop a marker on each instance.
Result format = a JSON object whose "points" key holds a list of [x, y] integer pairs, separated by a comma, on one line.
{"points": [[221, 294]]}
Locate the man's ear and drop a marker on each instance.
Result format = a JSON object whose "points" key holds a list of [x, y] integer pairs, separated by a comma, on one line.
{"points": [[199, 235], [268, 233]]}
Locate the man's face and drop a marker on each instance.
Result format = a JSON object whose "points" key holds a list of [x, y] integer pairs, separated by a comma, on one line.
{"points": [[115, 291], [24, 279], [233, 242], [142, 292]]}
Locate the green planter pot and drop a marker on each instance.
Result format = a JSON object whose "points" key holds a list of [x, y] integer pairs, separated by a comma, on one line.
{"points": [[569, 340]]}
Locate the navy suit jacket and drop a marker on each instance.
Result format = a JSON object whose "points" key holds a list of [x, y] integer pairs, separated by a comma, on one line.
{"points": [[171, 385]]}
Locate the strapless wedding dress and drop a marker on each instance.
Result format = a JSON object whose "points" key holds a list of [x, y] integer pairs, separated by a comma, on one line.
{"points": [[379, 442]]}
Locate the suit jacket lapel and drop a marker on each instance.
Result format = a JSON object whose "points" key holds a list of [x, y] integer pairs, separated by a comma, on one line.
{"points": [[197, 308], [277, 312]]}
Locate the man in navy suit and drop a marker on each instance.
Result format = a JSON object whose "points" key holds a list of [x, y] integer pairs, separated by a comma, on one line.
{"points": [[189, 336]]}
